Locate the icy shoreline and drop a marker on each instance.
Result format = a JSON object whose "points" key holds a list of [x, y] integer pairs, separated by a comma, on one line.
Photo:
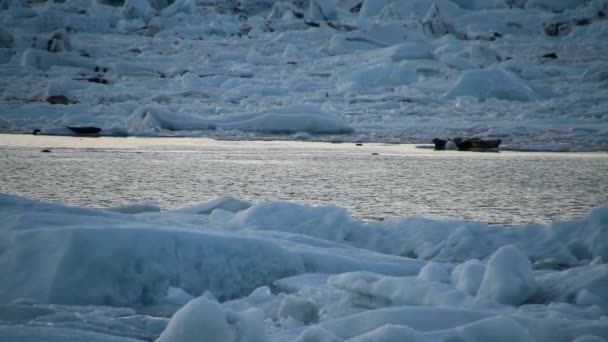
{"points": [[283, 272]]}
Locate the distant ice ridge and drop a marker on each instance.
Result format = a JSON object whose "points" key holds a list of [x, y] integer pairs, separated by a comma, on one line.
{"points": [[278, 271], [292, 119], [528, 72]]}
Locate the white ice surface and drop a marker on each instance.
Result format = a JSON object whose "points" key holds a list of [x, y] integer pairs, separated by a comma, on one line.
{"points": [[395, 71], [278, 271]]}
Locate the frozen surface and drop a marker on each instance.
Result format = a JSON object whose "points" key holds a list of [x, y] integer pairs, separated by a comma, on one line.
{"points": [[278, 271], [530, 72]]}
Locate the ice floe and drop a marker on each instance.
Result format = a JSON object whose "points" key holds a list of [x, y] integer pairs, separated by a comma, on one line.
{"points": [[278, 271]]}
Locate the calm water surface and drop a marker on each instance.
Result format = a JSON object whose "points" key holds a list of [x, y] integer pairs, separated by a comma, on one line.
{"points": [[373, 181]]}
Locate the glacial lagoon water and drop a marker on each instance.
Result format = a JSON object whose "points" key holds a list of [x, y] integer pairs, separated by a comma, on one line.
{"points": [[373, 181]]}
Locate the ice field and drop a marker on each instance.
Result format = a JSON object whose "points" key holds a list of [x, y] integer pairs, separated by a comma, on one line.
{"points": [[532, 73], [280, 271]]}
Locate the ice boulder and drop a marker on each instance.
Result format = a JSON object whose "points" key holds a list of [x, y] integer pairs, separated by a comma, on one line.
{"points": [[498, 329], [98, 257], [290, 119], [492, 83], [371, 8], [298, 308], [589, 338], [383, 74], [317, 334], [322, 10], [136, 208], [225, 203], [326, 222], [44, 60], [508, 278], [468, 276], [138, 9], [481, 4], [150, 118], [434, 272], [200, 317], [553, 5]]}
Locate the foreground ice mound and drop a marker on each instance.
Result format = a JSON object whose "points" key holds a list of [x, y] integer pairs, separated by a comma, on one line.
{"points": [[508, 278], [289, 272], [83, 256], [200, 317], [494, 82]]}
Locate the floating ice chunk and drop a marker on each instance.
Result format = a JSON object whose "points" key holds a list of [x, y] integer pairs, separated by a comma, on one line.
{"points": [[317, 334], [508, 278], [255, 58], [493, 82], [432, 24], [326, 222], [44, 60], [249, 326], [6, 39], [153, 118], [291, 119], [373, 37], [300, 281], [481, 4], [421, 319], [200, 317], [225, 202], [138, 9], [553, 5], [176, 295], [468, 276], [191, 80], [86, 256], [136, 208], [299, 309], [390, 333], [322, 10], [302, 136], [589, 338], [587, 298], [59, 41], [21, 333], [407, 51], [220, 215], [372, 8], [180, 6], [584, 285], [291, 52], [373, 290], [499, 329], [434, 272], [386, 74]]}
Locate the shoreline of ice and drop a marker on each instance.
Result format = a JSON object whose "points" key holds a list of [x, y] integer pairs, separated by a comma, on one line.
{"points": [[342, 139], [281, 271]]}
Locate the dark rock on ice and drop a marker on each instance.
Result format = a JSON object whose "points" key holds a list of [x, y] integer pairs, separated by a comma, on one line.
{"points": [[58, 99], [472, 144], [550, 55], [439, 144], [84, 129]]}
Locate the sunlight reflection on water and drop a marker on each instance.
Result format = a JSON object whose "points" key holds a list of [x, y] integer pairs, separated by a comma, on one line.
{"points": [[504, 188]]}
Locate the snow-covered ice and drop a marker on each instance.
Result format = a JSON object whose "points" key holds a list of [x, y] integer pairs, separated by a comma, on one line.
{"points": [[233, 270], [530, 72]]}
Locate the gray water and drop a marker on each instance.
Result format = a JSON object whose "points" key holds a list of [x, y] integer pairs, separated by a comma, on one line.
{"points": [[373, 181]]}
